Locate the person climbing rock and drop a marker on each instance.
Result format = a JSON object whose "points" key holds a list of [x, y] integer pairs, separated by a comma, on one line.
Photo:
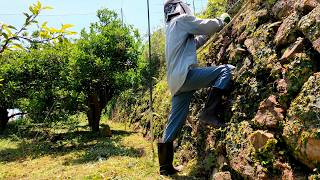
{"points": [[184, 34]]}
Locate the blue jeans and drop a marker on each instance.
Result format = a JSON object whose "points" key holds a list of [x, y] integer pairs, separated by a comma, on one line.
{"points": [[197, 78]]}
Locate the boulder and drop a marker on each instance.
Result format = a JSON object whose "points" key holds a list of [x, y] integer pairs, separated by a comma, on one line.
{"points": [[283, 8], [285, 34], [260, 138], [306, 5], [287, 172], [106, 131], [296, 72], [310, 26], [260, 47], [316, 44], [302, 128], [235, 53], [222, 176], [240, 152], [293, 49], [269, 113], [282, 86], [247, 22]]}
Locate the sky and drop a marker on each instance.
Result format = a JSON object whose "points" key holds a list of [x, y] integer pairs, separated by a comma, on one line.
{"points": [[81, 13]]}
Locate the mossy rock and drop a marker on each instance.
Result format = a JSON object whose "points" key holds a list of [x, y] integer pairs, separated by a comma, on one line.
{"points": [[302, 128], [247, 154]]}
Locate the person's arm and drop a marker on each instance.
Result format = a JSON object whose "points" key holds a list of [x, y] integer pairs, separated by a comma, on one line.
{"points": [[197, 26], [201, 40]]}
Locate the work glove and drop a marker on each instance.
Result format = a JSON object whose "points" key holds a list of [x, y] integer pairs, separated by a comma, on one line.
{"points": [[225, 17]]}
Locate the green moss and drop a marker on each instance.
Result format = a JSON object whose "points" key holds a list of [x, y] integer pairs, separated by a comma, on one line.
{"points": [[265, 155]]}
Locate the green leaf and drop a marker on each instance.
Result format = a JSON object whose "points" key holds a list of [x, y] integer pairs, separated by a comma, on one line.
{"points": [[38, 5], [26, 14], [72, 33], [67, 26], [17, 46], [12, 27], [53, 30], [47, 8], [44, 25], [7, 29], [5, 35], [34, 21], [31, 9], [27, 22]]}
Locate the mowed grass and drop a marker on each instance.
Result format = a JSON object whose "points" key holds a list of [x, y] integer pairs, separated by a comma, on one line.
{"points": [[39, 153]]}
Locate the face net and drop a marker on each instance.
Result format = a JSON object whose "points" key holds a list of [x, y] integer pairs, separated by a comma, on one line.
{"points": [[169, 11]]}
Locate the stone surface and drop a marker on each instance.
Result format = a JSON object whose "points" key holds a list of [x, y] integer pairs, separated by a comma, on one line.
{"points": [[316, 45], [260, 138], [282, 86], [285, 34], [302, 128], [306, 5], [260, 46], [263, 69], [235, 53], [106, 131], [296, 71], [240, 150], [247, 22], [222, 176], [293, 49], [283, 8], [270, 113], [287, 173], [310, 26], [250, 44]]}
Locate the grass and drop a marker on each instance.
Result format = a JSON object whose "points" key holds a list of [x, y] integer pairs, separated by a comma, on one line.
{"points": [[30, 152]]}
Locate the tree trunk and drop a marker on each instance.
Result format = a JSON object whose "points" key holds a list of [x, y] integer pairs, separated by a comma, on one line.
{"points": [[94, 112], [4, 118], [97, 101]]}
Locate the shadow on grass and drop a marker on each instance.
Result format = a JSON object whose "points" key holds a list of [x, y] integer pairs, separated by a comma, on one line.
{"points": [[89, 146]]}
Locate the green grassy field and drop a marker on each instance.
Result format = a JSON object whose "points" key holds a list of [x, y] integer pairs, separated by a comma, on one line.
{"points": [[30, 152]]}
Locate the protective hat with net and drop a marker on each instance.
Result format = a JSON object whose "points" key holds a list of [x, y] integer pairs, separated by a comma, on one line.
{"points": [[173, 8]]}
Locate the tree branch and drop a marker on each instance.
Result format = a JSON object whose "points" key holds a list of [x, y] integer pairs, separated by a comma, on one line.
{"points": [[17, 114]]}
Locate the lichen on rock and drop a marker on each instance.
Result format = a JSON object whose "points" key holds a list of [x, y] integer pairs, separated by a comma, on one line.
{"points": [[302, 129]]}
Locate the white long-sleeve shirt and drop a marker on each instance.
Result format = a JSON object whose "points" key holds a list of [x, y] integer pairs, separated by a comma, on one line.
{"points": [[184, 34]]}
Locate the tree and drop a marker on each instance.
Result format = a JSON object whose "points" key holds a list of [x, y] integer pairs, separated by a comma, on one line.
{"points": [[15, 39], [36, 82], [102, 62]]}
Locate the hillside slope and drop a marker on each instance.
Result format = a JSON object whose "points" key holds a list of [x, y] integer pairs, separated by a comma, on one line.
{"points": [[273, 111]]}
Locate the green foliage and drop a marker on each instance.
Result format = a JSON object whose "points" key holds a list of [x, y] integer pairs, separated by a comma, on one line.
{"points": [[105, 55], [13, 38], [37, 83], [156, 68], [214, 8]]}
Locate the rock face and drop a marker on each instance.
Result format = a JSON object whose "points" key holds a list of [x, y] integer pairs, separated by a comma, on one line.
{"points": [[269, 114], [285, 34], [222, 176], [302, 127], [273, 110], [260, 139], [246, 148], [309, 25], [275, 48]]}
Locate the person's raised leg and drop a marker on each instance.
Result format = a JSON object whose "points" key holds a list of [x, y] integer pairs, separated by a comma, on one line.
{"points": [[216, 77]]}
